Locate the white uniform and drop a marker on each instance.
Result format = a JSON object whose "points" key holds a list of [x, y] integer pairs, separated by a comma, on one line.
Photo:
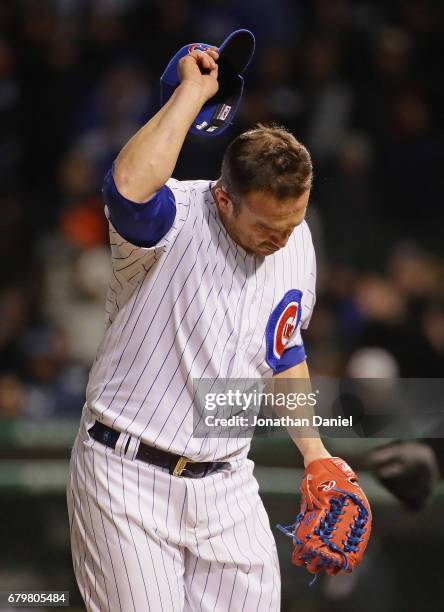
{"points": [[194, 306]]}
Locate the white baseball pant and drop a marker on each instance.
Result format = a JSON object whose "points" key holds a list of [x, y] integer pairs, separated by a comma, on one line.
{"points": [[143, 540]]}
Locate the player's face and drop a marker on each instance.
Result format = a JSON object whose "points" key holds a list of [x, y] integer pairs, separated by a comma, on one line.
{"points": [[259, 223]]}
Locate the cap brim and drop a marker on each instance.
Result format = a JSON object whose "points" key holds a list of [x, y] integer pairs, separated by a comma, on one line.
{"points": [[237, 50]]}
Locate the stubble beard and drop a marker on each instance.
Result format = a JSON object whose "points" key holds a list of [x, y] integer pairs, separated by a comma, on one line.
{"points": [[230, 226]]}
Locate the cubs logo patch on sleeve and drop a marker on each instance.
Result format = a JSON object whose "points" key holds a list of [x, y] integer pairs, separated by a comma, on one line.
{"points": [[281, 326]]}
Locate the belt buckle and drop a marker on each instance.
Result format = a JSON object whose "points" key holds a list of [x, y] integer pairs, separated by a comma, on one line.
{"points": [[180, 466]]}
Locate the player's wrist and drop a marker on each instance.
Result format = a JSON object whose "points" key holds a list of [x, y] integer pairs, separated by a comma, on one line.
{"points": [[195, 91], [317, 452]]}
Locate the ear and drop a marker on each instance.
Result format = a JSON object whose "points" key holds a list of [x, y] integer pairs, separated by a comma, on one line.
{"points": [[224, 201]]}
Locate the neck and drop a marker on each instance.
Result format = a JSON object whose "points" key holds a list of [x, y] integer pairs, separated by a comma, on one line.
{"points": [[213, 193]]}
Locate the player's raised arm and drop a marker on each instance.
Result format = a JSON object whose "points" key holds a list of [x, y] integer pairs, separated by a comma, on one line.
{"points": [[148, 159]]}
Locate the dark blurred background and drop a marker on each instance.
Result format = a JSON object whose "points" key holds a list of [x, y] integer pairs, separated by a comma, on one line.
{"points": [[360, 83]]}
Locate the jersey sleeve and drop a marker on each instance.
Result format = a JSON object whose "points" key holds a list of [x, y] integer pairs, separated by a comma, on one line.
{"points": [[294, 352], [309, 295], [143, 225], [141, 233]]}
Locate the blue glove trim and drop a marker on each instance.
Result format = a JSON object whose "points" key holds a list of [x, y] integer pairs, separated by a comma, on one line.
{"points": [[325, 531], [141, 224]]}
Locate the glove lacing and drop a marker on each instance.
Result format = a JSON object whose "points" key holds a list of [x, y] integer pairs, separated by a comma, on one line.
{"points": [[327, 526]]}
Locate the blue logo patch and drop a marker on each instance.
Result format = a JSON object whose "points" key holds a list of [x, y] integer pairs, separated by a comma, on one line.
{"points": [[281, 325]]}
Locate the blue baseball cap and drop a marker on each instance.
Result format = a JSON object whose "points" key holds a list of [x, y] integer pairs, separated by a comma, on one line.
{"points": [[218, 113]]}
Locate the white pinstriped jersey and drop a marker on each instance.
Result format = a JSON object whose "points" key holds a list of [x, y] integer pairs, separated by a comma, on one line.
{"points": [[196, 305]]}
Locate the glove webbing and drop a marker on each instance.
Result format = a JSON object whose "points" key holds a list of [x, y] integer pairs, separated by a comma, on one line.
{"points": [[326, 526]]}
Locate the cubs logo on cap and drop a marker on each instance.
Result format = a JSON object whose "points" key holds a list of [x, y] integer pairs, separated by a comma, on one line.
{"points": [[196, 47], [281, 326]]}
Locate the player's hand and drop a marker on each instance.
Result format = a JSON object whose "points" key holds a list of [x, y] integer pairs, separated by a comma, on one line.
{"points": [[200, 67], [333, 527]]}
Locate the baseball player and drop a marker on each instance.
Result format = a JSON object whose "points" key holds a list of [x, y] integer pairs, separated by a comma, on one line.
{"points": [[210, 279]]}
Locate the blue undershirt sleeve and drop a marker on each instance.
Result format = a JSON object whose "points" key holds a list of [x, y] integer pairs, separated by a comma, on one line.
{"points": [[144, 224]]}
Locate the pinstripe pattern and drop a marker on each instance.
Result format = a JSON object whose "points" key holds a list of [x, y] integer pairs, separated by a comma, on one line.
{"points": [[144, 540], [195, 305]]}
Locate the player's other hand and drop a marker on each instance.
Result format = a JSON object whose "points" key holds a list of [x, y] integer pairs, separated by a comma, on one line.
{"points": [[200, 67]]}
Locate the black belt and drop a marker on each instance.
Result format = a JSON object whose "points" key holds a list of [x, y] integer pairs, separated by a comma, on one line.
{"points": [[177, 465]]}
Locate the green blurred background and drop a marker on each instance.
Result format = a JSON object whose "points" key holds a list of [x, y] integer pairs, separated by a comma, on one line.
{"points": [[401, 569]]}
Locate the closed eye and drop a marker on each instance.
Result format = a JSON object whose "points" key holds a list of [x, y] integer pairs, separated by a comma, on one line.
{"points": [[273, 229]]}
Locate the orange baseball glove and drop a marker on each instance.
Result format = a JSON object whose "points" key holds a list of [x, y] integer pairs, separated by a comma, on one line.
{"points": [[333, 527]]}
